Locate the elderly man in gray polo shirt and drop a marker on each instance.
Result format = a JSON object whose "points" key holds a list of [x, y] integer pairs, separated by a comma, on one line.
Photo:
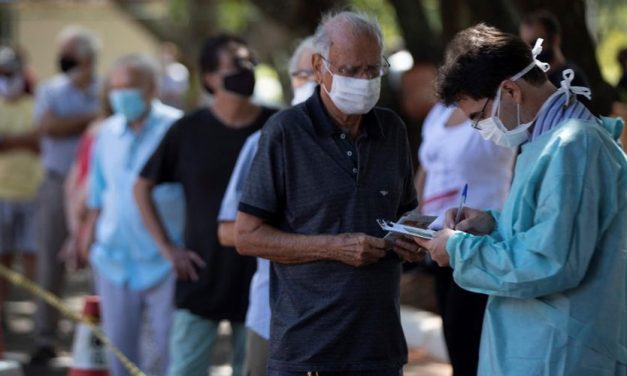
{"points": [[324, 172], [64, 106]]}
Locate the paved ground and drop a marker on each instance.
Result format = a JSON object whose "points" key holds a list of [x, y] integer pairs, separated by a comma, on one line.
{"points": [[19, 337]]}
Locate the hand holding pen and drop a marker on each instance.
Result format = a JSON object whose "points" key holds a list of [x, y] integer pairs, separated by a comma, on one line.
{"points": [[473, 221], [462, 202], [437, 245]]}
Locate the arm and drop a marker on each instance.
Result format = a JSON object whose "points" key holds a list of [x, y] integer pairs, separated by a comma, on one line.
{"points": [[226, 233], [184, 261], [253, 237], [86, 241], [160, 168], [550, 255], [233, 194], [28, 141], [56, 126], [142, 191]]}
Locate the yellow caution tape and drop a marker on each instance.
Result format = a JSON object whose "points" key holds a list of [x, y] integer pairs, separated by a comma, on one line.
{"points": [[21, 281]]}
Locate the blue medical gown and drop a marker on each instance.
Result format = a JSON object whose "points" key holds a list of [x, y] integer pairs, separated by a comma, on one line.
{"points": [[554, 267]]}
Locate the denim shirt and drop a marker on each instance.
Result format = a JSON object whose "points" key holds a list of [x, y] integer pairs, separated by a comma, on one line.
{"points": [[123, 251]]}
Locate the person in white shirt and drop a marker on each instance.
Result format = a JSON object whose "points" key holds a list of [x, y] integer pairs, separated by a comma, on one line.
{"points": [[452, 154]]}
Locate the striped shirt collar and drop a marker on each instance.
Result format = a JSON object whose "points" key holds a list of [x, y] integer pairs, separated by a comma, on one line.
{"points": [[555, 110]]}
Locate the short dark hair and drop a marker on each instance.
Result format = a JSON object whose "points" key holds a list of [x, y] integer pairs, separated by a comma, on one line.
{"points": [[547, 20], [478, 59], [209, 54]]}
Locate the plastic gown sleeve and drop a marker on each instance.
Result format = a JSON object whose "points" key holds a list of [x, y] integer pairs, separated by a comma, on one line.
{"points": [[549, 235]]}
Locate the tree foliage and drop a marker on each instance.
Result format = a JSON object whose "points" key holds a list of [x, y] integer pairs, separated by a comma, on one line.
{"points": [[273, 26]]}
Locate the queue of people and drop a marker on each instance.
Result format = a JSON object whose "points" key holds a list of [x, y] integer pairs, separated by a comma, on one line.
{"points": [[267, 218]]}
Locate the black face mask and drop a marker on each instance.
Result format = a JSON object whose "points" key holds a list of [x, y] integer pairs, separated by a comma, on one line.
{"points": [[546, 56], [241, 82], [67, 63]]}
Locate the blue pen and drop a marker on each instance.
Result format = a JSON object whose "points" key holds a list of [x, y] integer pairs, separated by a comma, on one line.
{"points": [[462, 201]]}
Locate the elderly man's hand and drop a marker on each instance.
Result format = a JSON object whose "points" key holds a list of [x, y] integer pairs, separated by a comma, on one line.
{"points": [[185, 262], [407, 250], [358, 249], [437, 246], [473, 221]]}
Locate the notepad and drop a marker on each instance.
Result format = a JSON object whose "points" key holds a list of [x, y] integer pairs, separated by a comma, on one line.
{"points": [[405, 229]]}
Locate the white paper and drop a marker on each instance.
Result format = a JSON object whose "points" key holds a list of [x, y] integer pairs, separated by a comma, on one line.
{"points": [[405, 229]]}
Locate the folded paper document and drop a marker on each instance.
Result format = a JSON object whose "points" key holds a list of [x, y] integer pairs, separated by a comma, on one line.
{"points": [[405, 229]]}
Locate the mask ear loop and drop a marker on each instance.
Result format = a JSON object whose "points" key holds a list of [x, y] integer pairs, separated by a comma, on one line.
{"points": [[326, 66], [518, 113], [496, 109]]}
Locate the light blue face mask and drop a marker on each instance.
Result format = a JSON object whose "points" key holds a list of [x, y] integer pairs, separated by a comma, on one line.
{"points": [[129, 103]]}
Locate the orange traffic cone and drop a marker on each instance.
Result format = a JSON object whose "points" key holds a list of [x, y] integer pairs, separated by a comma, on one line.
{"points": [[88, 352]]}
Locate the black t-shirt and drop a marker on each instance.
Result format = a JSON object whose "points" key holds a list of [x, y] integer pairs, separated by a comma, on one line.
{"points": [[199, 152]]}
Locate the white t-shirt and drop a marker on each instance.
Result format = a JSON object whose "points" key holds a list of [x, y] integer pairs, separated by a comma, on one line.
{"points": [[455, 155]]}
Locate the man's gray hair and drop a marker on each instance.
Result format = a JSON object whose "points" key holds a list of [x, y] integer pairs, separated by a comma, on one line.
{"points": [[359, 23], [142, 66], [85, 42], [306, 45]]}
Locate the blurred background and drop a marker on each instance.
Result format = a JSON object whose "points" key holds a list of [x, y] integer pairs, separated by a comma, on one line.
{"points": [[416, 33]]}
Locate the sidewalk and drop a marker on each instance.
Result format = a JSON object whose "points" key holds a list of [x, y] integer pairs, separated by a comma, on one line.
{"points": [[19, 337]]}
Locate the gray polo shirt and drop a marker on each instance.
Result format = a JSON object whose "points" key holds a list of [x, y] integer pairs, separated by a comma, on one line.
{"points": [[60, 96], [328, 316]]}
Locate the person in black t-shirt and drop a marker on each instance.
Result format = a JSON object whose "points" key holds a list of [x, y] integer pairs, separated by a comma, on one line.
{"points": [[199, 151]]}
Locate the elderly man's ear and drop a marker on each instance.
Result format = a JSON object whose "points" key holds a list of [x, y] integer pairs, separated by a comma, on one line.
{"points": [[318, 68]]}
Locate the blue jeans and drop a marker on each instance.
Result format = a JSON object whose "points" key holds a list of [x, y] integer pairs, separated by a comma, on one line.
{"points": [[192, 341]]}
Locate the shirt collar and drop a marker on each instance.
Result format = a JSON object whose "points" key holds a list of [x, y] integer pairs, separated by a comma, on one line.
{"points": [[324, 126], [555, 110]]}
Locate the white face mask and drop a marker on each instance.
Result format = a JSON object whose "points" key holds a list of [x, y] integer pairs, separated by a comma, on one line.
{"points": [[493, 129], [11, 87], [303, 93], [353, 96]]}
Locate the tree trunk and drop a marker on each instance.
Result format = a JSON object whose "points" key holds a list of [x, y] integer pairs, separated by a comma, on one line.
{"points": [[420, 40], [451, 18], [6, 23], [300, 17]]}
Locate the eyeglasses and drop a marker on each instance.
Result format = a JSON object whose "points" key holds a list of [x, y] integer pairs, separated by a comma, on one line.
{"points": [[477, 116], [370, 71]]}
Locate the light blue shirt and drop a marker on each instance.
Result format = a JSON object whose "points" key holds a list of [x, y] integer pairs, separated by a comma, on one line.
{"points": [[123, 251], [62, 98], [555, 267], [258, 314]]}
